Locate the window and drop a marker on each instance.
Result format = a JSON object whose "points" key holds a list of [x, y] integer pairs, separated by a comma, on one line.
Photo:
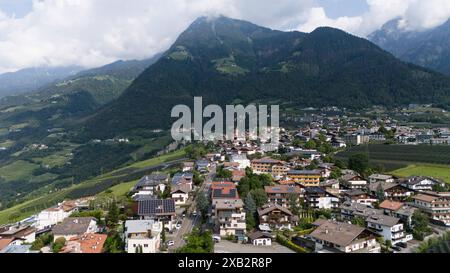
{"points": [[145, 245]]}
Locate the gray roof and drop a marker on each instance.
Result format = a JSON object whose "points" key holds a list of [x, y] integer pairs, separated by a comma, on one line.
{"points": [[383, 220], [305, 172], [380, 176], [258, 234], [73, 226], [360, 209], [153, 179], [138, 226], [18, 249], [338, 233]]}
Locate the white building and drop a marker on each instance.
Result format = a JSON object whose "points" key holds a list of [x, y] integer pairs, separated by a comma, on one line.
{"points": [[142, 236], [229, 216], [389, 227], [242, 159], [52, 216], [260, 238], [374, 178], [180, 194]]}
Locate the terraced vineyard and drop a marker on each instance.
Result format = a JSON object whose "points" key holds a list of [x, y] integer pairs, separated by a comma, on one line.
{"points": [[398, 156], [118, 181]]}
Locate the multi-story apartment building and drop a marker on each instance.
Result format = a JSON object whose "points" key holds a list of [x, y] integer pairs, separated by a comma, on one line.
{"points": [[280, 194], [319, 198], [435, 204], [268, 165], [308, 178], [229, 217]]}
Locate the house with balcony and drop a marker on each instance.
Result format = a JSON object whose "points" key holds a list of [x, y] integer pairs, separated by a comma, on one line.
{"points": [[338, 237], [307, 178], [161, 210], [180, 194], [390, 228], [142, 236], [151, 184], [435, 204], [281, 194], [229, 217], [421, 183], [358, 196], [275, 216], [392, 191], [352, 181], [374, 178], [319, 198], [351, 210], [268, 165]]}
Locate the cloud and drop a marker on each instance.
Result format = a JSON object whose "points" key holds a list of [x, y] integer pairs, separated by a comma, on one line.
{"points": [[415, 15], [93, 33]]}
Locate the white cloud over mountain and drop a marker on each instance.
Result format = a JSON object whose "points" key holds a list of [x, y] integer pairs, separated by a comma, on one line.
{"points": [[95, 32]]}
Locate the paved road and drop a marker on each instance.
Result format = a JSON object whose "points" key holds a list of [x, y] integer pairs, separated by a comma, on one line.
{"points": [[230, 247], [413, 244], [189, 222]]}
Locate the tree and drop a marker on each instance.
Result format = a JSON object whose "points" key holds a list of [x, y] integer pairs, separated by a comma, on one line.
{"points": [[202, 204], [198, 179], [311, 144], [260, 197], [359, 163], [198, 242], [420, 225], [58, 244], [222, 173], [113, 243], [380, 192], [112, 218], [359, 221], [293, 203], [250, 211]]}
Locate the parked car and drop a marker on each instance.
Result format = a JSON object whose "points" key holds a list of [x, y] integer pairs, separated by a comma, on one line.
{"points": [[194, 213], [178, 225], [170, 243], [402, 244], [396, 248], [216, 238]]}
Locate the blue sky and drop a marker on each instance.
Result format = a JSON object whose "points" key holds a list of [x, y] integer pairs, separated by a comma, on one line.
{"points": [[19, 8], [338, 8]]}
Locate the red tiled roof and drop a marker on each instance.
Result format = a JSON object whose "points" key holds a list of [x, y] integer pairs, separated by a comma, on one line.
{"points": [[391, 205], [4, 242]]}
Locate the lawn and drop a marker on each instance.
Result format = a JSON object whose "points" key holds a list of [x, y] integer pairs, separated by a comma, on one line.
{"points": [[122, 189], [437, 171]]}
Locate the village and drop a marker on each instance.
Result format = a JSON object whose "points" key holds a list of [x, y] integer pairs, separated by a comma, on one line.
{"points": [[239, 197]]}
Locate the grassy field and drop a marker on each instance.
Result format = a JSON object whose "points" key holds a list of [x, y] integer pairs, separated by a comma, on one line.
{"points": [[436, 171], [118, 181], [18, 170], [122, 189]]}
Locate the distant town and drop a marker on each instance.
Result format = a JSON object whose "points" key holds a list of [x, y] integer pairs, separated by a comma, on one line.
{"points": [[318, 193]]}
